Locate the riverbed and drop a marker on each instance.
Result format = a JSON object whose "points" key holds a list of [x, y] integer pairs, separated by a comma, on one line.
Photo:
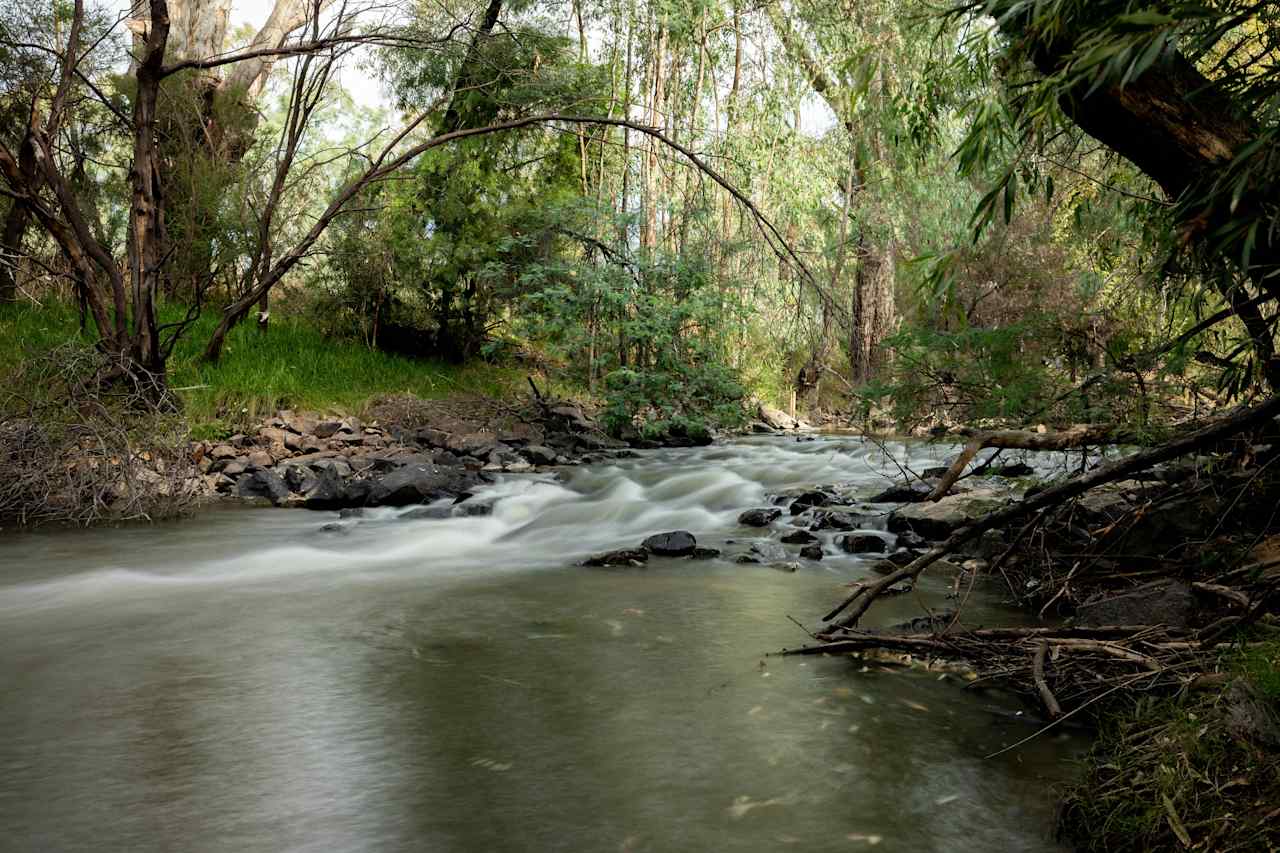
{"points": [[271, 679]]}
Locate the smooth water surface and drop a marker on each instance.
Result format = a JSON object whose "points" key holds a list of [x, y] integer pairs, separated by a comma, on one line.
{"points": [[245, 681]]}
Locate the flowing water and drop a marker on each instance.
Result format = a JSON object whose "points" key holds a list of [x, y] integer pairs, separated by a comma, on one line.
{"points": [[246, 681]]}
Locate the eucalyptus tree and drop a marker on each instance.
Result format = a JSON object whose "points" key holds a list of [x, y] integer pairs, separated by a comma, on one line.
{"points": [[1185, 92]]}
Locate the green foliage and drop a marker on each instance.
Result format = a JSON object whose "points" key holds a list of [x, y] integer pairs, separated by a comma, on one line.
{"points": [[973, 374], [653, 329], [293, 365]]}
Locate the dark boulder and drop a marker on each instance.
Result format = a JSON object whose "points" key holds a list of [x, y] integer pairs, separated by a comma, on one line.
{"points": [[759, 517], [539, 454], [704, 553], [862, 543], [910, 539], [811, 552], [904, 493], [418, 483], [677, 543], [902, 558], [799, 537], [622, 557], [835, 521], [808, 500], [327, 429], [1016, 469], [323, 489], [262, 484]]}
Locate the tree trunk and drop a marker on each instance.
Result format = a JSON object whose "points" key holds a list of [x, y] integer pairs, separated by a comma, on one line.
{"points": [[15, 228], [1176, 127]]}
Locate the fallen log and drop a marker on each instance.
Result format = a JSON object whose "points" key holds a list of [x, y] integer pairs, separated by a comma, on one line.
{"points": [[1012, 439], [858, 603]]}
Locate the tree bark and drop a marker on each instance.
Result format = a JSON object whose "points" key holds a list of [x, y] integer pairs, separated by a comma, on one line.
{"points": [[15, 227], [1182, 131]]}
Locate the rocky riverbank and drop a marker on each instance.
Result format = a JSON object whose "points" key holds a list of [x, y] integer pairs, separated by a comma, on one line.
{"points": [[409, 451]]}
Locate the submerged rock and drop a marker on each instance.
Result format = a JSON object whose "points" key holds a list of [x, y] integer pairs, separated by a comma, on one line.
{"points": [[704, 553], [427, 512], [769, 552], [799, 537], [677, 543], [621, 557]]}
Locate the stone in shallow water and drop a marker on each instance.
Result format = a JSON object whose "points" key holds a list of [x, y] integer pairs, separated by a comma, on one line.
{"points": [[939, 520], [862, 543], [621, 557], [811, 552], [770, 552], [905, 493], [677, 543], [759, 517], [704, 553], [835, 521], [799, 537], [809, 500]]}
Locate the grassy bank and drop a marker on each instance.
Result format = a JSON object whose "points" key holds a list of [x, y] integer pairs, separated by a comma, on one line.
{"points": [[1197, 770], [291, 365]]}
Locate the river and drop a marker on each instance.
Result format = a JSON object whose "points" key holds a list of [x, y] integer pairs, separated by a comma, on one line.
{"points": [[246, 681]]}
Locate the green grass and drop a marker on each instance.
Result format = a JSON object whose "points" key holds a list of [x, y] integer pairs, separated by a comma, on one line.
{"points": [[290, 366], [1172, 763]]}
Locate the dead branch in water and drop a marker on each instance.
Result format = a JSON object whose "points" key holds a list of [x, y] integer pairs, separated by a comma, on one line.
{"points": [[862, 598], [1011, 439]]}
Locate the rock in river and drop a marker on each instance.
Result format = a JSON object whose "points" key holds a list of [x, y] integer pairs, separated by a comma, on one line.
{"points": [[262, 484], [623, 557], [905, 493], [769, 552], [862, 543], [418, 483], [939, 520], [677, 543], [759, 517]]}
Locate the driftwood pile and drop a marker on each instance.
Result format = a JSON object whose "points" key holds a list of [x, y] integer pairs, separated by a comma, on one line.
{"points": [[1064, 669]]}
